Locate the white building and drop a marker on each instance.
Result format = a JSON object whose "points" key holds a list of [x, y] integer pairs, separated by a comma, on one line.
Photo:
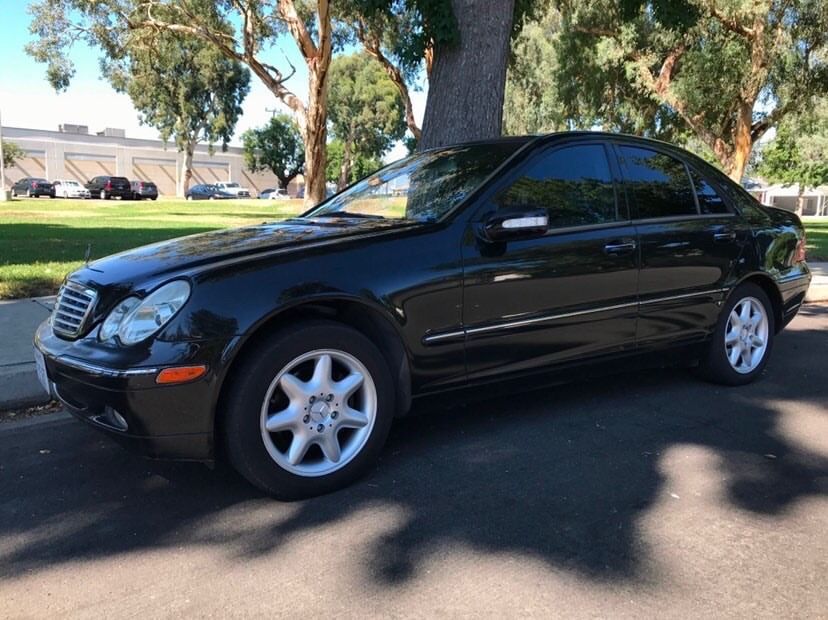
{"points": [[74, 153], [787, 197]]}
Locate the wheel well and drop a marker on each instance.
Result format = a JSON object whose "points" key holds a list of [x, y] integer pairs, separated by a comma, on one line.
{"points": [[772, 291], [365, 319]]}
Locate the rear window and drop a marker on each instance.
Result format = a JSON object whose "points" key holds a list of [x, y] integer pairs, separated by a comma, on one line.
{"points": [[118, 180], [660, 183]]}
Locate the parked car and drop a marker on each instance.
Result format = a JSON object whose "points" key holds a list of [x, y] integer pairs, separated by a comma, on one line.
{"points": [[106, 187], [234, 189], [69, 188], [274, 194], [509, 264], [207, 192], [144, 189], [33, 187]]}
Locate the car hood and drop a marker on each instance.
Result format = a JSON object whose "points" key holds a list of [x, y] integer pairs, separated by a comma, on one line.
{"points": [[145, 265]]}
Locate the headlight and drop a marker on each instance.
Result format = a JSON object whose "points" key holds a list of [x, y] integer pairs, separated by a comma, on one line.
{"points": [[135, 320], [113, 321]]}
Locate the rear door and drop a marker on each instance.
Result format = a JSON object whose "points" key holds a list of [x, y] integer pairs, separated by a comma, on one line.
{"points": [[568, 294], [690, 241]]}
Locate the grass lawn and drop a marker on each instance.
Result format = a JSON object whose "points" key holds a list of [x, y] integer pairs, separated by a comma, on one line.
{"points": [[816, 231], [41, 240]]}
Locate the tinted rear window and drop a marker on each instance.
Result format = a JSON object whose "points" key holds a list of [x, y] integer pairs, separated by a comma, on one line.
{"points": [[660, 183], [118, 180]]}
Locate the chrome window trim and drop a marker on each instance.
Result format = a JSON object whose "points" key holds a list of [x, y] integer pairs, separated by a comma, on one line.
{"points": [[462, 333]]}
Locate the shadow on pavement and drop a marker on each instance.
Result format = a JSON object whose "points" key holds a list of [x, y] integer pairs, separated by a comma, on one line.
{"points": [[562, 475]]}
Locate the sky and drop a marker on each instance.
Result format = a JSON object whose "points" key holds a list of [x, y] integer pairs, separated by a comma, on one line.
{"points": [[27, 99]]}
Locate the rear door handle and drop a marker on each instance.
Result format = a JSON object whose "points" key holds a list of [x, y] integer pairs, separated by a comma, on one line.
{"points": [[623, 246], [724, 236]]}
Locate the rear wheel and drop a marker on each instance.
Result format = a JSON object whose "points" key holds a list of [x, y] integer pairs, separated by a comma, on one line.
{"points": [[743, 338], [309, 410]]}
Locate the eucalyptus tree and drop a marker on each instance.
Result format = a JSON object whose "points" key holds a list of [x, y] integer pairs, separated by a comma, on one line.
{"points": [[725, 71], [277, 146]]}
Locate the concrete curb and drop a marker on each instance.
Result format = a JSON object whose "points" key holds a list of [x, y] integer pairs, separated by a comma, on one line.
{"points": [[20, 388]]}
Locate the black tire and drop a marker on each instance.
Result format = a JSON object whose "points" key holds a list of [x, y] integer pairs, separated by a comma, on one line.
{"points": [[714, 365], [241, 407]]}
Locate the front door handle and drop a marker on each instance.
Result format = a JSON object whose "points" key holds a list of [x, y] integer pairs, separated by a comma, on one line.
{"points": [[724, 236], [620, 247]]}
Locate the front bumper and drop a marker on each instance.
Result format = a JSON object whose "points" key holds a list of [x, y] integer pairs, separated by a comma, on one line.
{"points": [[111, 392]]}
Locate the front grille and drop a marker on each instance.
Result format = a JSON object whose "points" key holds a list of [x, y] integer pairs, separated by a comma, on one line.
{"points": [[73, 305]]}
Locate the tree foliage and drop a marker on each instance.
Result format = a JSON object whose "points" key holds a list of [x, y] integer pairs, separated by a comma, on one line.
{"points": [[360, 166], [365, 110], [799, 151], [724, 70], [277, 147], [12, 153], [257, 26], [183, 87]]}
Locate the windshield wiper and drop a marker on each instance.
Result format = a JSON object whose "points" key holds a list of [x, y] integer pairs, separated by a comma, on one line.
{"points": [[352, 215]]}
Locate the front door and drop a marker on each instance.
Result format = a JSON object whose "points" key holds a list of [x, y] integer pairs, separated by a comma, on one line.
{"points": [[568, 294]]}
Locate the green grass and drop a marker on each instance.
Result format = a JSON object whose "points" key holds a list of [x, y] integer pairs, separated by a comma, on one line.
{"points": [[816, 231], [41, 240]]}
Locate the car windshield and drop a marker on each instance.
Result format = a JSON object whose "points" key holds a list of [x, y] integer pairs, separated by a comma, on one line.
{"points": [[73, 183], [422, 187]]}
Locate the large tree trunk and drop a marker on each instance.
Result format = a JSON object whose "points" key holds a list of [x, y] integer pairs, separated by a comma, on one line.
{"points": [[742, 143], [467, 81], [800, 199], [186, 174], [315, 135]]}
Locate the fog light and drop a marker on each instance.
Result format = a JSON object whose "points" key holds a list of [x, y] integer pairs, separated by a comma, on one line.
{"points": [[114, 419]]}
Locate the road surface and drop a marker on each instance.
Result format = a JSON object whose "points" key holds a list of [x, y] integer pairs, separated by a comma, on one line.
{"points": [[638, 495]]}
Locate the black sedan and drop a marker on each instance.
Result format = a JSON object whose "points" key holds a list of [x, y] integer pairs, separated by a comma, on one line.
{"points": [[33, 187], [290, 347], [204, 191]]}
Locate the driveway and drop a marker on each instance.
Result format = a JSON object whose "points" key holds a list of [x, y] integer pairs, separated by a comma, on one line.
{"points": [[642, 494]]}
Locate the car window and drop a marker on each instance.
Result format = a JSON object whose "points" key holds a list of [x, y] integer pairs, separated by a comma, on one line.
{"points": [[660, 183], [573, 184], [710, 202]]}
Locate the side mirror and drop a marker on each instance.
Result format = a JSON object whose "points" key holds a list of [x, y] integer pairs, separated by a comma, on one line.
{"points": [[513, 225]]}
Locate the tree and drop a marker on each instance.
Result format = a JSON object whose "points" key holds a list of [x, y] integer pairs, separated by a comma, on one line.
{"points": [[724, 71], [12, 153], [468, 76], [277, 147], [365, 110], [797, 154], [183, 87], [531, 103], [57, 24], [360, 166]]}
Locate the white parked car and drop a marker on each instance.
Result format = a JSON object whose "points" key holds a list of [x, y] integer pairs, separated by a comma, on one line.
{"points": [[69, 188], [274, 194], [234, 188]]}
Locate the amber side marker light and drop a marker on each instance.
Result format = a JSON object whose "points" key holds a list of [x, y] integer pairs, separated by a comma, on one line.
{"points": [[180, 374]]}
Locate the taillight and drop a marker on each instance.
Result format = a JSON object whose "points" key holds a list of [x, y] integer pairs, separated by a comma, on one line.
{"points": [[108, 185], [34, 184], [799, 256]]}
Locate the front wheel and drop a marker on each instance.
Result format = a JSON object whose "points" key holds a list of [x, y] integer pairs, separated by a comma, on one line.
{"points": [[743, 338], [309, 410], [103, 195]]}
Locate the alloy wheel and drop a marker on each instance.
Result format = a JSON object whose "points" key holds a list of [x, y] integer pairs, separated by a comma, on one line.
{"points": [[318, 412], [746, 335]]}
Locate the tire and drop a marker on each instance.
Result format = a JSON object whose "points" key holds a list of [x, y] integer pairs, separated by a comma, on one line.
{"points": [[255, 394], [716, 365], [104, 196], [190, 197]]}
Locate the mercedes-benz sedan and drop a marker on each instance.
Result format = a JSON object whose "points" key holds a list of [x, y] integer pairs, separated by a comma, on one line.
{"points": [[289, 347]]}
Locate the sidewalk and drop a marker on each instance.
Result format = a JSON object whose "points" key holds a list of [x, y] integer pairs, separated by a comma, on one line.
{"points": [[19, 386]]}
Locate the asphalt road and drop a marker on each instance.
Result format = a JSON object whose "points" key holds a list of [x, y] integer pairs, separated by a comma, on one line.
{"points": [[639, 495]]}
